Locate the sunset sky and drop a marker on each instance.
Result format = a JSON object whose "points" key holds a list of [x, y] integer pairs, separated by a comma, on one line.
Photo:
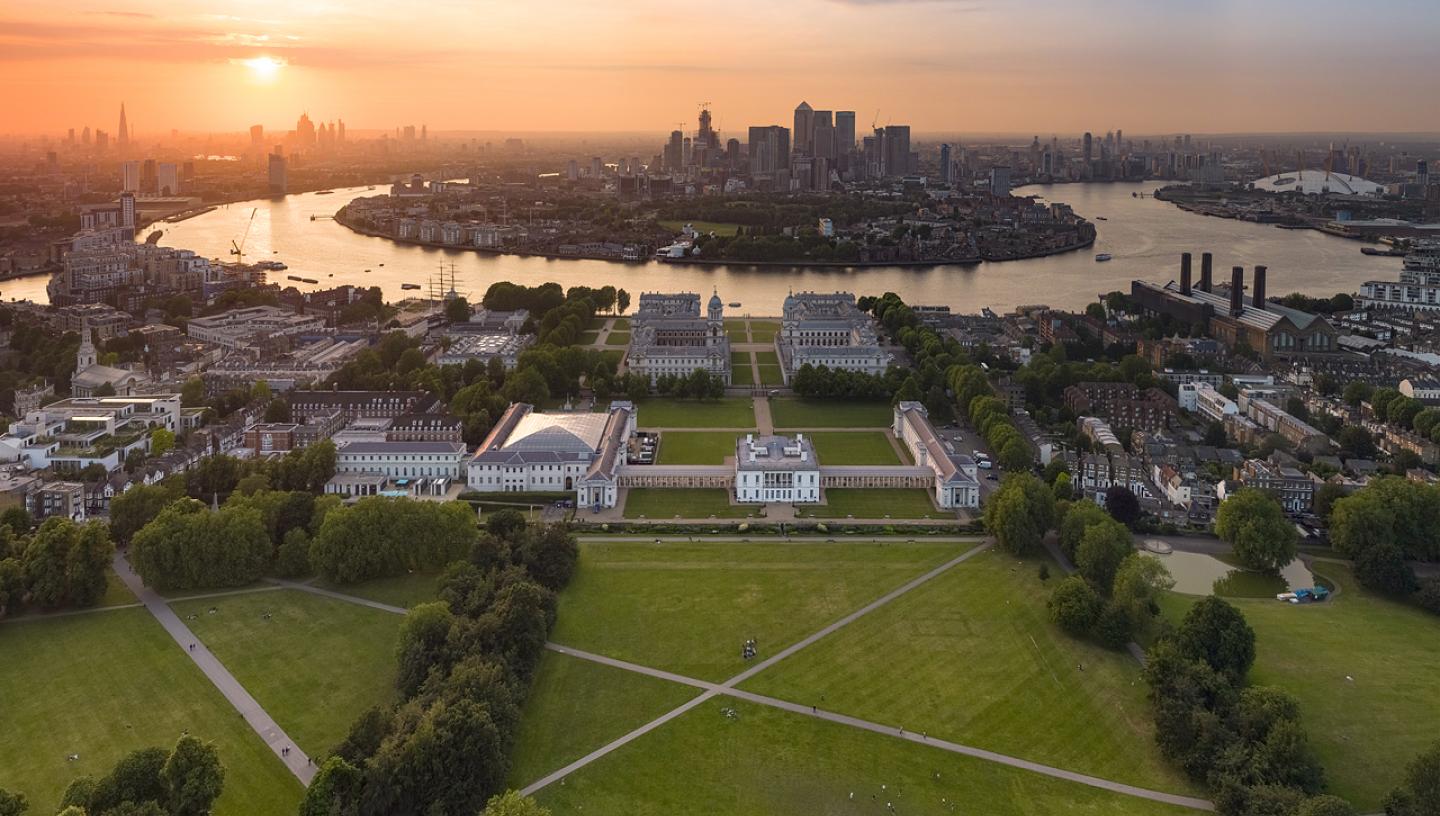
{"points": [[1147, 66]]}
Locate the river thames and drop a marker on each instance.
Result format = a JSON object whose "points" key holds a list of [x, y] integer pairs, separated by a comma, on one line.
{"points": [[1144, 235]]}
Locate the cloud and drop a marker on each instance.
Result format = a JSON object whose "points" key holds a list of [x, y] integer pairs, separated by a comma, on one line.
{"points": [[956, 5], [134, 15]]}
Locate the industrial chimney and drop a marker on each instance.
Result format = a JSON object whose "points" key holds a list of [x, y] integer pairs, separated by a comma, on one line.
{"points": [[1205, 282], [1237, 290], [1257, 291], [1185, 274]]}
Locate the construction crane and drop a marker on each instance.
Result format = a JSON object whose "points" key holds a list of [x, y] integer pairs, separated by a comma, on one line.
{"points": [[237, 248]]}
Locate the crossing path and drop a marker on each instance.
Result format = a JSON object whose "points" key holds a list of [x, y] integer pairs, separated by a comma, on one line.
{"points": [[255, 716]]}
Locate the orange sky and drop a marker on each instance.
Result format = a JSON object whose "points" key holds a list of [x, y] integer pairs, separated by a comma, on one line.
{"points": [[635, 65]]}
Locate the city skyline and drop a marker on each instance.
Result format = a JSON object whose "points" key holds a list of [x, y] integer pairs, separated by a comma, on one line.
{"points": [[938, 66]]}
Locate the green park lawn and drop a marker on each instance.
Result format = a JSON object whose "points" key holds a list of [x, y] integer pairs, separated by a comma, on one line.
{"points": [[972, 657], [767, 358], [800, 413], [116, 593], [688, 608], [692, 503], [618, 338], [104, 684], [588, 338], [737, 332], [740, 358], [742, 375], [315, 664], [766, 761], [695, 447], [770, 375], [853, 448], [673, 413], [1365, 730], [761, 335], [875, 503], [576, 706], [718, 227], [621, 324], [402, 590]]}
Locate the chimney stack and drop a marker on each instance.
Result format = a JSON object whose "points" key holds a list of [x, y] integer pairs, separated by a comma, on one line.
{"points": [[1237, 290], [1185, 273], [1257, 292], [1205, 282]]}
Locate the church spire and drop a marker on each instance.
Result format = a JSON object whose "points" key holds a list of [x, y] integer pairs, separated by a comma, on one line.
{"points": [[85, 356]]}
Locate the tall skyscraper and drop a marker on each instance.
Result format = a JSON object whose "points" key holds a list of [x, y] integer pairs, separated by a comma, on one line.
{"points": [[844, 132], [705, 135], [305, 132], [824, 140], [945, 163], [895, 150], [130, 177], [257, 137], [124, 137], [769, 149], [804, 128], [340, 134], [279, 178], [167, 179], [675, 151], [1088, 150]]}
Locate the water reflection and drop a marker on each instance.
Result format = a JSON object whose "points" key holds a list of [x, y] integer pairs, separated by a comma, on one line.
{"points": [[1202, 574]]}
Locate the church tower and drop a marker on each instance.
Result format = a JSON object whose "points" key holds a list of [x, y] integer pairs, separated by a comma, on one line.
{"points": [[85, 357], [715, 319]]}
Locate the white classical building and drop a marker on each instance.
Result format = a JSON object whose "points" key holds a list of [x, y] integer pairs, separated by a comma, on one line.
{"points": [[776, 469], [402, 460], [670, 336], [530, 451], [827, 329], [957, 481]]}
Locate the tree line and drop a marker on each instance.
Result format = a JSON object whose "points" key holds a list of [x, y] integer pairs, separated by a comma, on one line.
{"points": [[465, 667], [61, 564], [1384, 525], [183, 781]]}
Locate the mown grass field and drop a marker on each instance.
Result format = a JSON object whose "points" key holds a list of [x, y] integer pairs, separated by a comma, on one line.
{"points": [[1365, 730], [402, 590], [104, 684], [771, 375], [576, 706], [315, 664], [721, 413], [742, 375], [618, 338], [972, 657], [765, 761], [767, 358], [690, 503], [854, 448], [875, 503], [688, 608], [740, 358], [695, 447], [799, 413]]}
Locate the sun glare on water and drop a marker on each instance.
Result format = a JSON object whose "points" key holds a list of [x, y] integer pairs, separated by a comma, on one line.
{"points": [[263, 69]]}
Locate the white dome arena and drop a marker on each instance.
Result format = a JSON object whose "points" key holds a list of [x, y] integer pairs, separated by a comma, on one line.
{"points": [[1317, 182]]}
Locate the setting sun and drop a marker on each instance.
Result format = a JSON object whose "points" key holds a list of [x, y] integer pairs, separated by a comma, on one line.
{"points": [[264, 69]]}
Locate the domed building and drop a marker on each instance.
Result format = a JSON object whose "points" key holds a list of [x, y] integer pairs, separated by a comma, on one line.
{"points": [[1317, 182]]}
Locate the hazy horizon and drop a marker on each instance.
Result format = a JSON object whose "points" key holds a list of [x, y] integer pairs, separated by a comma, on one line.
{"points": [[639, 67]]}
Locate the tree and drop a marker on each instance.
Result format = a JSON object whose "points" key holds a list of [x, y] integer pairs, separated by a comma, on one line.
{"points": [[137, 507], [510, 803], [15, 804], [136, 778], [1122, 505], [17, 519], [193, 776], [189, 546], [1254, 524], [1101, 550], [1215, 632], [1138, 584], [335, 790], [1357, 392], [1078, 519], [1062, 488], [1325, 805], [1427, 596], [1325, 497], [1074, 606], [423, 637], [1383, 569], [65, 563], [1019, 513], [162, 441], [192, 393], [1419, 792], [1014, 456], [1356, 441], [507, 524], [293, 558], [277, 411], [526, 385], [549, 553], [622, 301], [12, 586], [379, 537], [457, 310]]}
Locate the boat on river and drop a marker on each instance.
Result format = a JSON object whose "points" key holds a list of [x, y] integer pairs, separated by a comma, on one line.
{"points": [[1104, 256]]}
